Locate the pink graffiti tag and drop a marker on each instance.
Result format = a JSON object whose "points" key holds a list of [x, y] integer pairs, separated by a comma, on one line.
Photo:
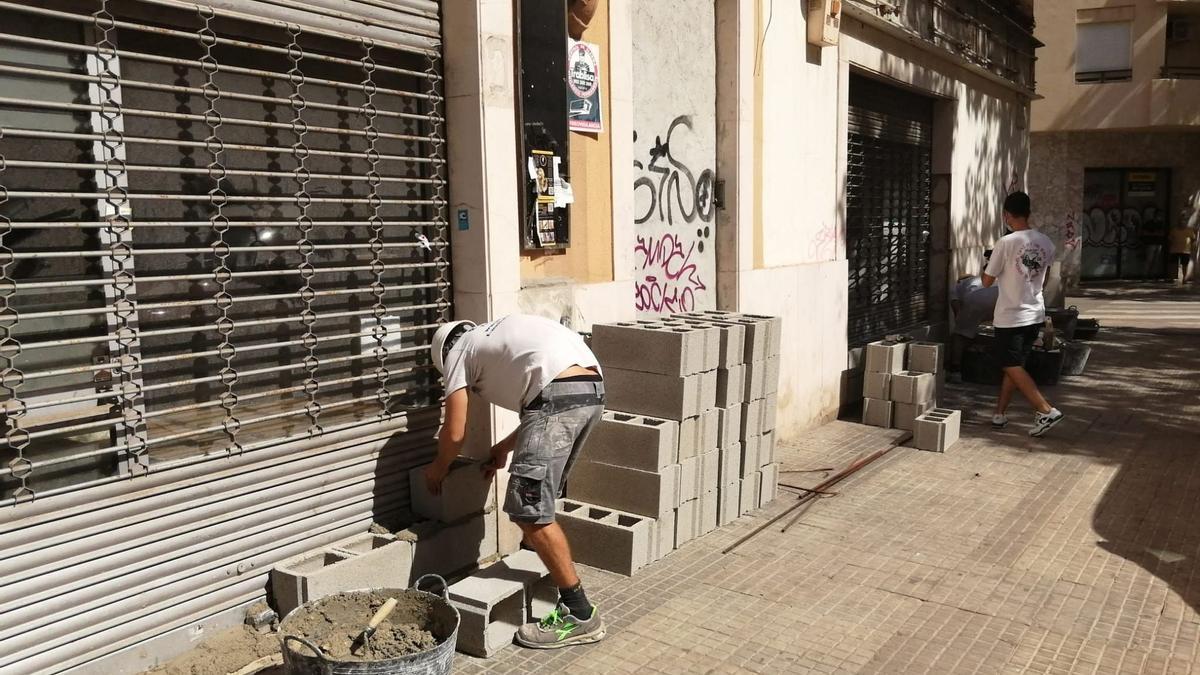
{"points": [[669, 280], [1071, 239]]}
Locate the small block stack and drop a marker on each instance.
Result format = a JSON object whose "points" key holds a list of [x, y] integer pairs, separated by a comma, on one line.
{"points": [[896, 397], [495, 601]]}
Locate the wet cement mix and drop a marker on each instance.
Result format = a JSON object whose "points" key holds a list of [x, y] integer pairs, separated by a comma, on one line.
{"points": [[334, 622]]}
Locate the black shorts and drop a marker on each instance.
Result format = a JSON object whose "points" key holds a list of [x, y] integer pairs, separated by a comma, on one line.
{"points": [[1013, 345]]}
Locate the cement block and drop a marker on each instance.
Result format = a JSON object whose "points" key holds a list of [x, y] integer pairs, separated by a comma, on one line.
{"points": [[926, 357], [687, 522], [731, 385], [491, 611], [361, 561], [708, 431], [906, 413], [709, 505], [729, 426], [774, 331], [754, 380], [645, 347], [645, 493], [508, 534], [877, 413], [770, 411], [771, 373], [689, 479], [689, 439], [752, 419], [877, 386], [750, 493], [464, 492], [729, 502], [708, 390], [733, 340], [937, 430], [447, 549], [750, 452], [730, 464], [605, 538], [664, 535], [766, 448], [910, 387], [664, 396], [886, 357], [755, 342], [527, 569], [634, 441], [710, 470], [769, 488]]}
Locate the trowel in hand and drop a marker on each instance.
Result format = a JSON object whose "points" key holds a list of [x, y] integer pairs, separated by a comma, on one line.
{"points": [[362, 643]]}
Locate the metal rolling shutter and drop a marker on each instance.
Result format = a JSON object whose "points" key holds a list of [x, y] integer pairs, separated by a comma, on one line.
{"points": [[223, 250], [888, 192]]}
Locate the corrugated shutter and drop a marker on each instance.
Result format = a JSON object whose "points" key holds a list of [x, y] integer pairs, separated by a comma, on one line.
{"points": [[888, 205], [223, 251]]}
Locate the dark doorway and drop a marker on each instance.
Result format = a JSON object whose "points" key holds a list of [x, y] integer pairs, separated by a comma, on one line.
{"points": [[1125, 223]]}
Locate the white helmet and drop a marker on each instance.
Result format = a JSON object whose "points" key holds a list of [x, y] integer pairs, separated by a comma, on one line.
{"points": [[437, 350]]}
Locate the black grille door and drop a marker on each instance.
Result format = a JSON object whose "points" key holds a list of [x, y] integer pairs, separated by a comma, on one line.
{"points": [[888, 195]]}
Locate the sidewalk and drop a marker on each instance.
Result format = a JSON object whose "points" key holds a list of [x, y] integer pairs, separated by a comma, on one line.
{"points": [[1070, 554]]}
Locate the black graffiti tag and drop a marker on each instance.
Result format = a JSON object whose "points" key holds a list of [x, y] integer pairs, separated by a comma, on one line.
{"points": [[678, 187]]}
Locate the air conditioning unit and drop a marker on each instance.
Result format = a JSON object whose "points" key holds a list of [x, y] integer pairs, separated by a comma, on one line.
{"points": [[1179, 29], [824, 22]]}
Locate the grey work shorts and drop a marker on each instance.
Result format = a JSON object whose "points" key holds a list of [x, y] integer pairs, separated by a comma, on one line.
{"points": [[553, 428]]}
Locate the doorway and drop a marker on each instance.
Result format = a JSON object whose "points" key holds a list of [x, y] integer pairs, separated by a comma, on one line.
{"points": [[1125, 223]]}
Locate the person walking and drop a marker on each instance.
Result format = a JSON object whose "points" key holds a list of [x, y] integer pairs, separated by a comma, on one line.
{"points": [[1019, 265], [544, 371], [1182, 245]]}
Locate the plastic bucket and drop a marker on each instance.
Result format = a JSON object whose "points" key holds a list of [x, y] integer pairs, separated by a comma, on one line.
{"points": [[302, 657], [1066, 321], [1075, 357]]}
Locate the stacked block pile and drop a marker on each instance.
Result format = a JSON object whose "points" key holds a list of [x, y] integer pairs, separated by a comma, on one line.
{"points": [[901, 387], [687, 443]]}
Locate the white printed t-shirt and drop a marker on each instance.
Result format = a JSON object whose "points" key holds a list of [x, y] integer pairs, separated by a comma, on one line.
{"points": [[1020, 263], [509, 361]]}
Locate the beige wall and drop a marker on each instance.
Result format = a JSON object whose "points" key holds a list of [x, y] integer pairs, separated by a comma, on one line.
{"points": [[1140, 103]]}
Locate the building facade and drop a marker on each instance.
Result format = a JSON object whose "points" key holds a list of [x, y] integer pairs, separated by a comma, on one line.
{"points": [[229, 227], [1116, 135]]}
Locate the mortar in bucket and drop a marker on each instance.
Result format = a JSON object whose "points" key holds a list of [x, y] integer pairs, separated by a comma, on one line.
{"points": [[418, 638]]}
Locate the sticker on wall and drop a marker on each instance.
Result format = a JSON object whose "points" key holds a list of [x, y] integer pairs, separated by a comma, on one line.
{"points": [[1142, 183], [583, 87]]}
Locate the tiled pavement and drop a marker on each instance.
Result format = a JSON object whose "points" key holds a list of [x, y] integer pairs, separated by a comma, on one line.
{"points": [[1071, 554]]}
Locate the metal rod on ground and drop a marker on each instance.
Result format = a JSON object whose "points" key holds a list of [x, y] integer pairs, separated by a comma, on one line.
{"points": [[850, 470], [804, 489]]}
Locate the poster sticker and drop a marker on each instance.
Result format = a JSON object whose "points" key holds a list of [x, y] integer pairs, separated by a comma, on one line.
{"points": [[583, 87]]}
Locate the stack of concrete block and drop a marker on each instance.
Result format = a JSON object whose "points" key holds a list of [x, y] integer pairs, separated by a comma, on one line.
{"points": [[903, 382], [751, 414], [460, 526], [498, 599]]}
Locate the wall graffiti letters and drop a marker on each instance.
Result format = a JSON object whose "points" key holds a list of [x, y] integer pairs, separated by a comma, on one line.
{"points": [[678, 185], [1111, 227], [667, 277]]}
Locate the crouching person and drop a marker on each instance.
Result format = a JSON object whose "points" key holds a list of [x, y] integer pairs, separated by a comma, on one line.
{"points": [[545, 372]]}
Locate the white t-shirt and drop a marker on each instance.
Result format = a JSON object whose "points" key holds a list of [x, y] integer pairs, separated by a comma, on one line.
{"points": [[1020, 263], [509, 361], [975, 305]]}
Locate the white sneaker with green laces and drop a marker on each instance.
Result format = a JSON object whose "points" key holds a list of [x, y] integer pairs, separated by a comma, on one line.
{"points": [[559, 628], [1044, 422]]}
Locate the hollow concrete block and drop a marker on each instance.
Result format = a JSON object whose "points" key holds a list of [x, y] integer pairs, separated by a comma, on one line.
{"points": [[490, 610], [663, 396], [464, 492], [754, 380], [750, 493], [649, 348], [689, 439], [750, 452], [605, 538], [770, 411], [877, 386], [689, 479], [333, 569], [635, 441], [729, 426], [771, 376], [645, 493], [730, 467], [710, 470], [686, 523], [886, 357], [752, 418], [877, 413], [729, 502], [527, 569], [731, 385], [708, 431], [905, 414], [708, 390], [447, 549], [937, 430], [912, 388], [709, 505], [766, 448], [769, 486], [926, 357], [755, 341], [664, 535], [732, 343]]}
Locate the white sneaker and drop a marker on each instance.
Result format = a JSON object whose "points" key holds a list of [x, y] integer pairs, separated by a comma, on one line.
{"points": [[1043, 422], [999, 421]]}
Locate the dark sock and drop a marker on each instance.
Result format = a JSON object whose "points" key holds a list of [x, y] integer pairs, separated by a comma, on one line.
{"points": [[576, 601]]}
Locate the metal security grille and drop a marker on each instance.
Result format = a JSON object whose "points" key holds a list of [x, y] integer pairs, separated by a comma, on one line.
{"points": [[219, 230], [888, 188]]}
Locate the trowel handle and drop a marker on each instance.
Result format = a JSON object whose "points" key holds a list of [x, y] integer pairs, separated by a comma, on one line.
{"points": [[382, 614]]}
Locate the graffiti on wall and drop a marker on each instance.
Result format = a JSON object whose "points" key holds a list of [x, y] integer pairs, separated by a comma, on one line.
{"points": [[1112, 227], [1064, 233], [674, 210]]}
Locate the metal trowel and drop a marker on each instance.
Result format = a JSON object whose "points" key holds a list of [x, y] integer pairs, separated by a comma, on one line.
{"points": [[362, 643]]}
